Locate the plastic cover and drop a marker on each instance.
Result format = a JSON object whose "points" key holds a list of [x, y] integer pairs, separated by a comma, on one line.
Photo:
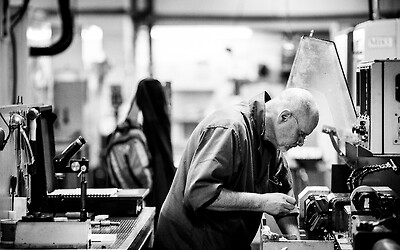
{"points": [[317, 68]]}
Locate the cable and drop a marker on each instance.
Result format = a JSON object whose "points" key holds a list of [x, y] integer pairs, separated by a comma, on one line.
{"points": [[6, 4], [15, 19], [332, 132], [9, 133], [358, 175], [67, 33]]}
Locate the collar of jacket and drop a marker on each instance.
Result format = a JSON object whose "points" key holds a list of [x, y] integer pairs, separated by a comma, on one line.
{"points": [[257, 111]]}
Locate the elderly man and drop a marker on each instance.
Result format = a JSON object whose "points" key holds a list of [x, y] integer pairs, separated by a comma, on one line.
{"points": [[233, 170]]}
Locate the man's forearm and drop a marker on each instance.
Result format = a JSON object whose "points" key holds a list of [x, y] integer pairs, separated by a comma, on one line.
{"points": [[271, 203], [288, 225], [230, 201]]}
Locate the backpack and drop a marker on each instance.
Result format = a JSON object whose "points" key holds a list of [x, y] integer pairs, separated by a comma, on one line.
{"points": [[128, 157]]}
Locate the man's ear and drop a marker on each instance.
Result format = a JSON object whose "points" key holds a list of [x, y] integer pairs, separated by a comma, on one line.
{"points": [[284, 115]]}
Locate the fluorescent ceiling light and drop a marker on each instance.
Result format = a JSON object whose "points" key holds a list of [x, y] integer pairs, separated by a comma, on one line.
{"points": [[92, 33], [200, 32], [40, 34], [92, 44]]}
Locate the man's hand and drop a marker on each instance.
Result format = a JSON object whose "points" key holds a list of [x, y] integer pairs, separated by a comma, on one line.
{"points": [[277, 203]]}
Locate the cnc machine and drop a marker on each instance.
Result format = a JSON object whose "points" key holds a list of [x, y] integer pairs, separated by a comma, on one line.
{"points": [[361, 209]]}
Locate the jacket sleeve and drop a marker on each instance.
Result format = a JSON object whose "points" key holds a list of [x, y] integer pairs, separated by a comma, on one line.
{"points": [[212, 166]]}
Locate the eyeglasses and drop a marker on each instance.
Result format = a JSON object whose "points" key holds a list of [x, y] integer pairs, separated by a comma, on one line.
{"points": [[301, 133]]}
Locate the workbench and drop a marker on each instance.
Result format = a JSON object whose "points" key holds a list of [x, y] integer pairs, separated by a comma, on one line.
{"points": [[131, 233]]}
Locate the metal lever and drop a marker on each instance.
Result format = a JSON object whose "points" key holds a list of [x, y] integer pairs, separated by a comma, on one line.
{"points": [[13, 187], [27, 146]]}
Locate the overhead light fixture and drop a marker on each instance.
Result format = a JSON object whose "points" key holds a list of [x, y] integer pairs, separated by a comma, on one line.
{"points": [[92, 44], [159, 32], [39, 35], [92, 33]]}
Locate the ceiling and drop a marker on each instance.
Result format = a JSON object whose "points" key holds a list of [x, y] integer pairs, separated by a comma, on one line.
{"points": [[267, 14]]}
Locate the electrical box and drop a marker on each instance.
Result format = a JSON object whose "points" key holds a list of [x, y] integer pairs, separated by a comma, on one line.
{"points": [[378, 98]]}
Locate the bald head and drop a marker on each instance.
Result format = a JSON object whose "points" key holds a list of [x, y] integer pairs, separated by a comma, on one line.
{"points": [[301, 102], [290, 117]]}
